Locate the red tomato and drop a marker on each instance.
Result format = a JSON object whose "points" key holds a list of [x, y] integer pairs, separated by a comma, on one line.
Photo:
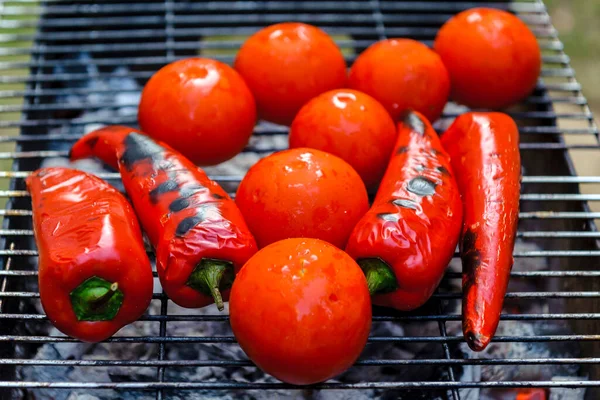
{"points": [[288, 64], [493, 58], [200, 107], [351, 125], [402, 74], [300, 309], [302, 193]]}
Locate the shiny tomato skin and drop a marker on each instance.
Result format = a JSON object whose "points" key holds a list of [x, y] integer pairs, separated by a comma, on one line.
{"points": [[300, 309], [402, 74], [200, 107], [351, 125], [302, 193], [287, 64], [493, 58]]}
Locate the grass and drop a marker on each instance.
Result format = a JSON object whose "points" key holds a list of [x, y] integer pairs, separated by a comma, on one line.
{"points": [[576, 22], [6, 33], [578, 30]]}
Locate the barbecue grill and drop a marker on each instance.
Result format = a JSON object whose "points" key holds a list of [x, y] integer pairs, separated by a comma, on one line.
{"points": [[68, 66]]}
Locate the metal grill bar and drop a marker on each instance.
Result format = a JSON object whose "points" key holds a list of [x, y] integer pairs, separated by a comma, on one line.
{"points": [[246, 363], [538, 215], [444, 296], [236, 179], [449, 275], [372, 339], [271, 386], [528, 197], [143, 6], [376, 318], [97, 106], [132, 120]]}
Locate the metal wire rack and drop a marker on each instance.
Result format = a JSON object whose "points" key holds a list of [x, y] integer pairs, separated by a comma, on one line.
{"points": [[53, 53]]}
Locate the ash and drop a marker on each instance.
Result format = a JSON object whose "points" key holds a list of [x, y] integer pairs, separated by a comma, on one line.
{"points": [[124, 105]]}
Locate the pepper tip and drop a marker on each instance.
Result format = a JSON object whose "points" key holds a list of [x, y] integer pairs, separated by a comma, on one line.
{"points": [[476, 341]]}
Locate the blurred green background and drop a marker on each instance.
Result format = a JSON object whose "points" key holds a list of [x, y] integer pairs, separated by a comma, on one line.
{"points": [[577, 24], [579, 30]]}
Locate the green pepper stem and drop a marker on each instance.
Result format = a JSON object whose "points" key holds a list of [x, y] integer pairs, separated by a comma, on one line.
{"points": [[210, 277], [380, 277], [103, 299], [96, 300]]}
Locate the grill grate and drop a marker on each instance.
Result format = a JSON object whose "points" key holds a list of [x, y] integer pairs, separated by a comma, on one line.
{"points": [[67, 66]]}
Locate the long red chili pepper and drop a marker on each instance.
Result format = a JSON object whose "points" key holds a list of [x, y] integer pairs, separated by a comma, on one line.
{"points": [[406, 240], [197, 231], [484, 148], [94, 274]]}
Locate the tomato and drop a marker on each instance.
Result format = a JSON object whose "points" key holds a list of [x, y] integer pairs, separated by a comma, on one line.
{"points": [[302, 193], [493, 58], [402, 74], [351, 125], [288, 64], [300, 309], [200, 107]]}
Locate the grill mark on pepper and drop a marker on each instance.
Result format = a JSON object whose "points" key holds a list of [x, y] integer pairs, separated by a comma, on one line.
{"points": [[179, 204], [471, 259], [217, 196], [388, 217], [405, 203], [169, 169], [166, 166], [189, 223], [191, 190], [402, 150], [443, 170], [421, 186], [414, 122], [165, 187], [139, 147], [92, 142]]}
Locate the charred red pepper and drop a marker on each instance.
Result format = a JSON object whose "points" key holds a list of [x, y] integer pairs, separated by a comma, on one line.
{"points": [[197, 231], [94, 274], [484, 148], [406, 240]]}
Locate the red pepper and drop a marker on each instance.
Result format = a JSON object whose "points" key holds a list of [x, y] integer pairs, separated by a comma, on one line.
{"points": [[197, 231], [484, 148], [94, 274], [406, 240]]}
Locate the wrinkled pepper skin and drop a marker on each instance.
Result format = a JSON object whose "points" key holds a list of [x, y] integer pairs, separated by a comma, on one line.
{"points": [[84, 228], [484, 148], [414, 223], [188, 218]]}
